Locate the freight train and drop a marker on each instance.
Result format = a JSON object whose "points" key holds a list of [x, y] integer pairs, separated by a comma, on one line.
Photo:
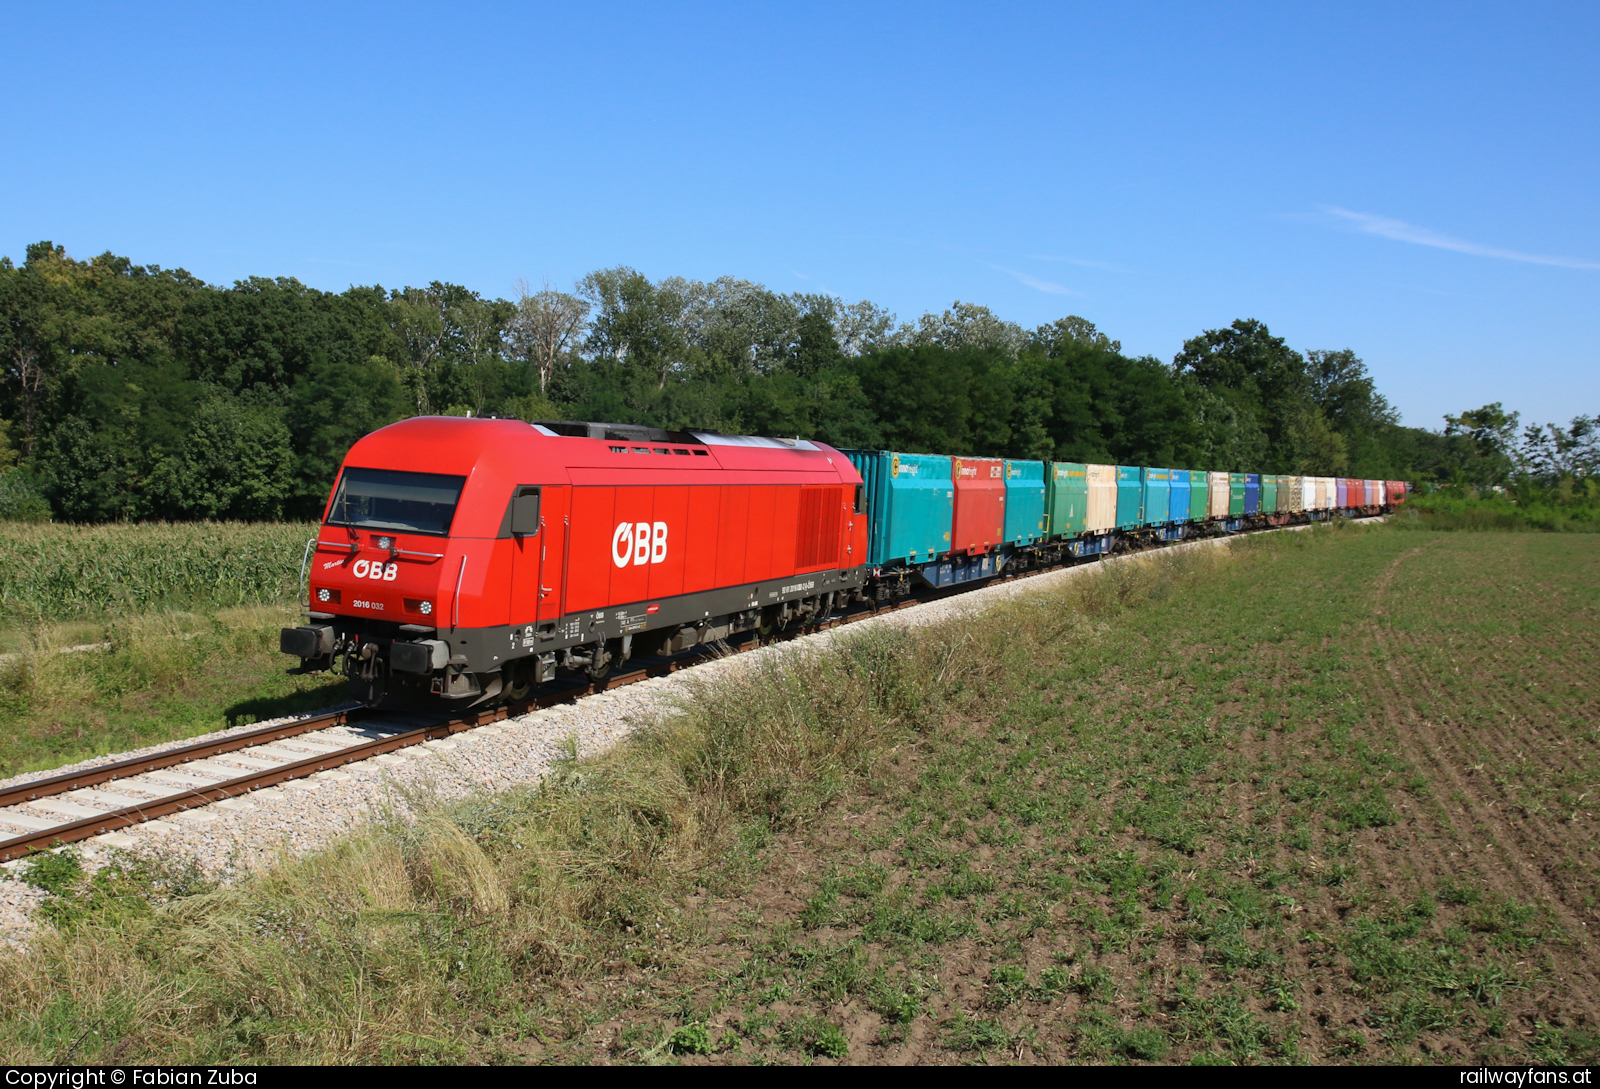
{"points": [[469, 560]]}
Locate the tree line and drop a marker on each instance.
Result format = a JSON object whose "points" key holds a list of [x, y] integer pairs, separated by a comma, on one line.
{"points": [[137, 392]]}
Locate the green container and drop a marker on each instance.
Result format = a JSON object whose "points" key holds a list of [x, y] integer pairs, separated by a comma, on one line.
{"points": [[1269, 493], [1236, 485], [1199, 495], [1066, 503], [910, 504], [1025, 502], [1130, 496]]}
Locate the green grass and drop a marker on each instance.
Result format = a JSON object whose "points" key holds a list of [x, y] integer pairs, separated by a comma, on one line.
{"points": [[1322, 796], [165, 675]]}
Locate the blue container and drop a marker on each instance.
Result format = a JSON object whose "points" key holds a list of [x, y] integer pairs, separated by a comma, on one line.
{"points": [[1178, 506], [1157, 495], [1024, 502], [1252, 493], [910, 505], [1130, 496]]}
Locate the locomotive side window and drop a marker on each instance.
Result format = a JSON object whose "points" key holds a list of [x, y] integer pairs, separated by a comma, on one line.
{"points": [[525, 511], [389, 499]]}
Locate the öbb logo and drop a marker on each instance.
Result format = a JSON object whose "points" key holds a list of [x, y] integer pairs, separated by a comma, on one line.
{"points": [[639, 543], [375, 569]]}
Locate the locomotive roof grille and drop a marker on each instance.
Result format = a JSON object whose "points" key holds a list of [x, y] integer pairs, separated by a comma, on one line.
{"points": [[637, 433]]}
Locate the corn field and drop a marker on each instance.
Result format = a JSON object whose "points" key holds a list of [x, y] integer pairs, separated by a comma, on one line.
{"points": [[62, 571]]}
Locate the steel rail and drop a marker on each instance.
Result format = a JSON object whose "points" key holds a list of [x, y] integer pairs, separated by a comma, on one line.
{"points": [[156, 761]]}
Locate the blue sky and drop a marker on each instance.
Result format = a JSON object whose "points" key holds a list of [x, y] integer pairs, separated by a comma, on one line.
{"points": [[1416, 182]]}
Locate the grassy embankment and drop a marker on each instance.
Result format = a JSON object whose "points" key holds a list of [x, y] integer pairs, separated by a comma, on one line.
{"points": [[1323, 796], [191, 613]]}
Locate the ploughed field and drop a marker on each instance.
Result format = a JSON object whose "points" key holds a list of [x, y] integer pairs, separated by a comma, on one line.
{"points": [[1322, 796]]}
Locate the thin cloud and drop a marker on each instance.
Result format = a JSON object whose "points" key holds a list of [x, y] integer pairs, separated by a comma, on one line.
{"points": [[1076, 261], [1401, 231], [1034, 282]]}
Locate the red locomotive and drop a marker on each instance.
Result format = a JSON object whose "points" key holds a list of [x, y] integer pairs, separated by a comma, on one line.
{"points": [[524, 549]]}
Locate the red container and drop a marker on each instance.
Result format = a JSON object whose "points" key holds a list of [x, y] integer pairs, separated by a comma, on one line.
{"points": [[980, 515], [1395, 492]]}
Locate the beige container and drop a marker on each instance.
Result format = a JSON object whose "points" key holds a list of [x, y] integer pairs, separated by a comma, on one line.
{"points": [[1329, 486], [1294, 488], [1102, 513], [1217, 489]]}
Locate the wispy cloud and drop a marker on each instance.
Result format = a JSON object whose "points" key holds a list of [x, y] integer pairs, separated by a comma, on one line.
{"points": [[1076, 261], [1034, 282], [1401, 231]]}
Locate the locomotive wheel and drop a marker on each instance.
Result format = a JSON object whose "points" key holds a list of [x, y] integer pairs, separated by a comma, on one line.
{"points": [[518, 679]]}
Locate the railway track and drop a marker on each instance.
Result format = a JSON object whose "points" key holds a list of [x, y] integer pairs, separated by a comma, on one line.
{"points": [[116, 797], [182, 781]]}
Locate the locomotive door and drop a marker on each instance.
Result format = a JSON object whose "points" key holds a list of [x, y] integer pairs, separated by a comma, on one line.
{"points": [[539, 561]]}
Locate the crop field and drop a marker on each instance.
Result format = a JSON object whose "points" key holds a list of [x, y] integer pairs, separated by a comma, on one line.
{"points": [[1314, 797], [62, 572]]}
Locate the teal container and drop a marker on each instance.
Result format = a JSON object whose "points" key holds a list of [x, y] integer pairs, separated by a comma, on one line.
{"points": [[1178, 506], [1157, 497], [1236, 489], [910, 504], [1066, 505], [1199, 496], [1130, 496], [1025, 502]]}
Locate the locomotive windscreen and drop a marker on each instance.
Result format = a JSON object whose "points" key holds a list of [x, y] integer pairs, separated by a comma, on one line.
{"points": [[389, 499]]}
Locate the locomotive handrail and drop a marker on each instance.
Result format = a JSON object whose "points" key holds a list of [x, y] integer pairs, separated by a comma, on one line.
{"points": [[455, 598], [305, 557], [425, 555], [337, 544]]}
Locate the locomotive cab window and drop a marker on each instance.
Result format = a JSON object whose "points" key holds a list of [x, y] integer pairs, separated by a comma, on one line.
{"points": [[390, 499]]}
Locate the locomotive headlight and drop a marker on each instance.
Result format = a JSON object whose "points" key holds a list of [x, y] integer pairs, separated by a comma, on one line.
{"points": [[427, 608], [385, 542], [323, 595]]}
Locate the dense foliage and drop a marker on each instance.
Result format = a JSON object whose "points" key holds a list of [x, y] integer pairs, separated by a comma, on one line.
{"points": [[136, 392]]}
